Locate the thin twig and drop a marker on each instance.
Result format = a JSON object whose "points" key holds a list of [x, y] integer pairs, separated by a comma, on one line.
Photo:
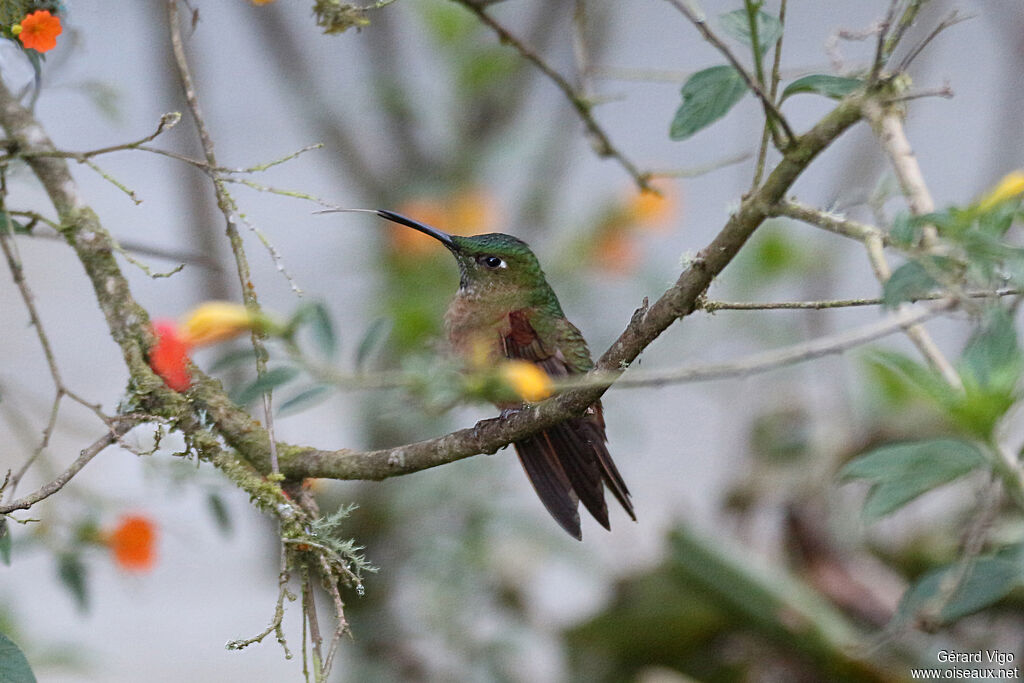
{"points": [[227, 207], [580, 103], [771, 111], [769, 360], [828, 221], [64, 477], [704, 169], [951, 19], [773, 90], [713, 306]]}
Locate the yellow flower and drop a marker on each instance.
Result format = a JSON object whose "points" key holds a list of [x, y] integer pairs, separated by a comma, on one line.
{"points": [[527, 380], [217, 321], [261, 2], [1010, 187]]}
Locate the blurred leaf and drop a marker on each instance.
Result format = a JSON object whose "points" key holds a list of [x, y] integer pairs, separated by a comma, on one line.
{"points": [[909, 282], [319, 320], [987, 581], [14, 667], [303, 400], [828, 85], [737, 25], [270, 380], [234, 357], [904, 231], [16, 227], [708, 95], [992, 358], [486, 69], [5, 542], [902, 472], [71, 572], [219, 510], [378, 329], [448, 22], [919, 377]]}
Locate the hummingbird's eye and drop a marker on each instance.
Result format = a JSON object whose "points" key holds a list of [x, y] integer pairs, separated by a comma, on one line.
{"points": [[492, 262]]}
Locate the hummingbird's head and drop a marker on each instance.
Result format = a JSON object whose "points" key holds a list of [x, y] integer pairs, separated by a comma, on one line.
{"points": [[493, 265]]}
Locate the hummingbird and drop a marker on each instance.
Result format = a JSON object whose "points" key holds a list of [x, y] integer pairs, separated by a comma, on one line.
{"points": [[505, 306]]}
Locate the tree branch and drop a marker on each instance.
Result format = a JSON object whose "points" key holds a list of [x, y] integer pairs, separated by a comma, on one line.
{"points": [[579, 102]]}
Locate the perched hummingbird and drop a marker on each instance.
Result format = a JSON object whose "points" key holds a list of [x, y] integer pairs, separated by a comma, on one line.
{"points": [[506, 306]]}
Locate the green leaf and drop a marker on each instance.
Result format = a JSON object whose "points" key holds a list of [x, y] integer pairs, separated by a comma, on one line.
{"points": [[234, 357], [5, 542], [219, 510], [71, 572], [737, 25], [902, 472], [936, 597], [828, 85], [919, 377], [270, 380], [908, 282], [378, 329], [319, 320], [14, 667], [303, 400], [992, 357], [708, 95]]}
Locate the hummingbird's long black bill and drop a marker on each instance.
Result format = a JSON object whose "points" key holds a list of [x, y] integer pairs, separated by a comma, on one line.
{"points": [[439, 235]]}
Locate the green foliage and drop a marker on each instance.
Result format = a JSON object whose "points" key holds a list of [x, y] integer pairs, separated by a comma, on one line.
{"points": [[307, 398], [989, 369], [219, 511], [828, 85], [708, 95], [900, 473], [371, 341], [326, 531], [946, 594], [269, 381], [737, 25], [72, 573], [14, 667], [5, 542], [316, 316], [912, 281]]}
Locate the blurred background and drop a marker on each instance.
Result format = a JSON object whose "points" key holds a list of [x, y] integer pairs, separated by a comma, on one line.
{"points": [[741, 520]]}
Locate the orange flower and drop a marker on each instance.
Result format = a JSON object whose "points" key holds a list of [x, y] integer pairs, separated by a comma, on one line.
{"points": [[468, 211], [616, 252], [169, 356], [39, 31], [410, 242], [133, 543], [652, 210]]}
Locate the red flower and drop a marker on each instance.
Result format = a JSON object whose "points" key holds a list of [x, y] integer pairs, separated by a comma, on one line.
{"points": [[39, 31], [133, 543], [169, 356]]}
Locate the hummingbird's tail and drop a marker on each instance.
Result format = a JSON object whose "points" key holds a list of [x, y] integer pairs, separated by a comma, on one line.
{"points": [[568, 464]]}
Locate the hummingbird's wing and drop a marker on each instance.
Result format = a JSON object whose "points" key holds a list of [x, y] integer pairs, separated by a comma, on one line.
{"points": [[570, 461]]}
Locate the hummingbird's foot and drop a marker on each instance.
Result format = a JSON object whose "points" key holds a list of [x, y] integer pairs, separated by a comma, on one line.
{"points": [[504, 414]]}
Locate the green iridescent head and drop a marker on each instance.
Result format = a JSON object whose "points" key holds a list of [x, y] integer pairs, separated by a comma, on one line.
{"points": [[493, 264]]}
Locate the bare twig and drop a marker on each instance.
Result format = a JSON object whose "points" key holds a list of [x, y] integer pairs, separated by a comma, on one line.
{"points": [[704, 169], [580, 103], [74, 468], [226, 205], [951, 19], [713, 306]]}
